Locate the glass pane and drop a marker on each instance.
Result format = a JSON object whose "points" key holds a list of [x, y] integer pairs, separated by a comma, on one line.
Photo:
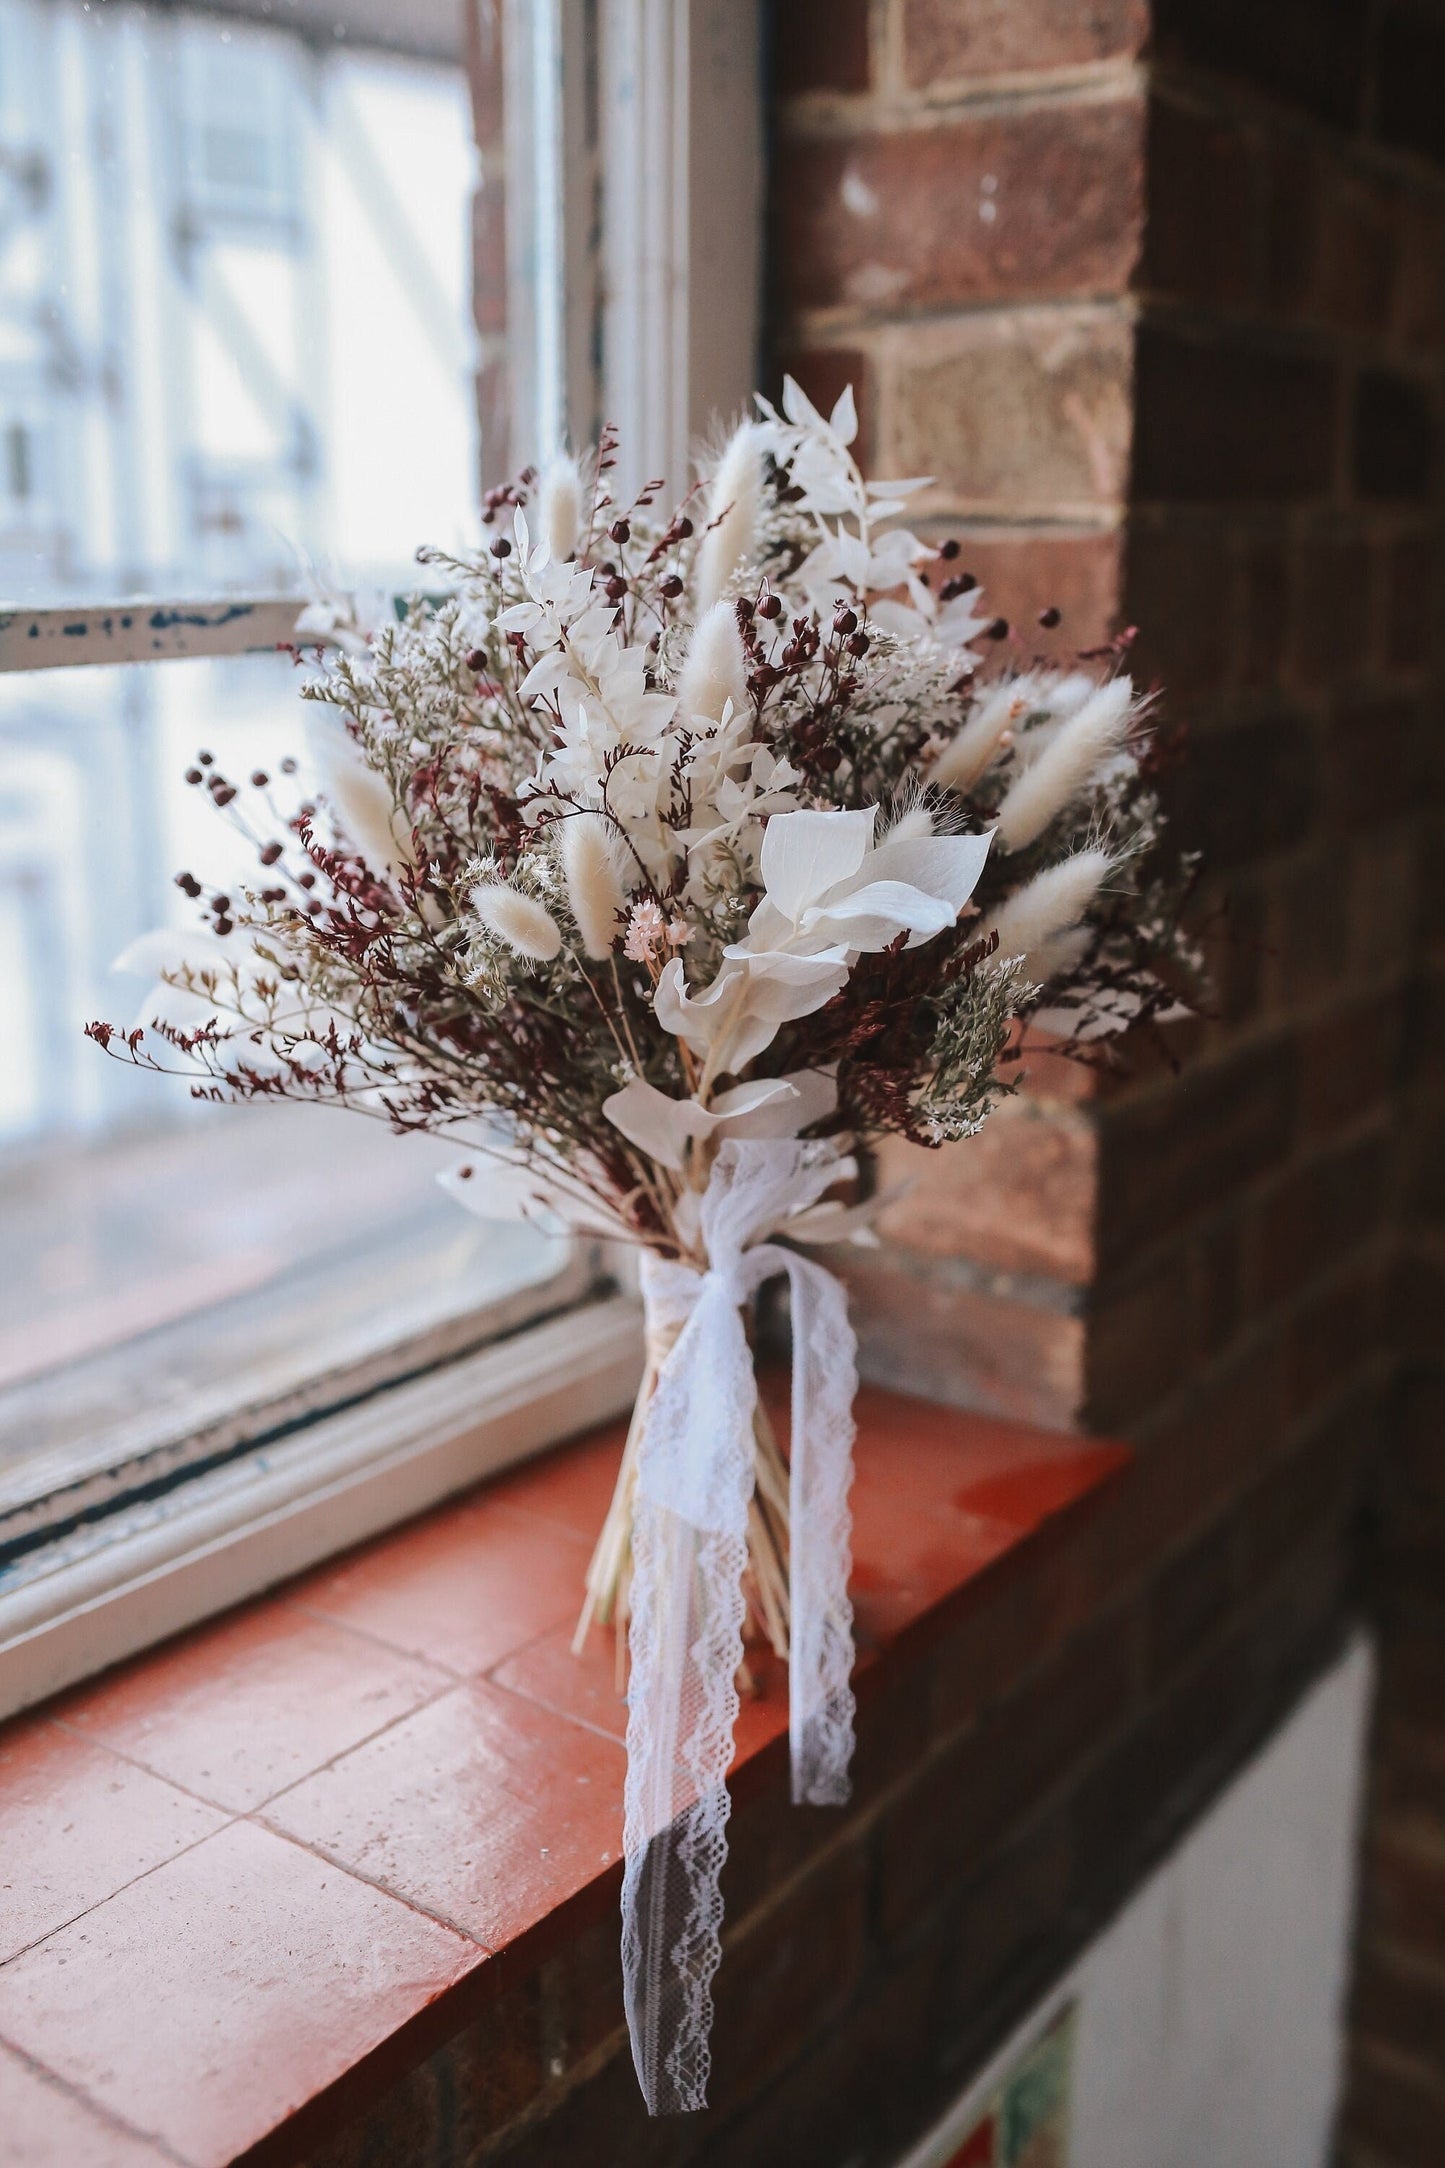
{"points": [[168, 1262], [235, 324], [235, 352]]}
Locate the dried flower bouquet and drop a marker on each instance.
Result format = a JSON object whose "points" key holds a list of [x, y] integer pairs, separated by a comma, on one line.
{"points": [[666, 865]]}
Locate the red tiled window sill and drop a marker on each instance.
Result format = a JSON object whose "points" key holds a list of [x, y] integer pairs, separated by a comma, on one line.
{"points": [[245, 1873]]}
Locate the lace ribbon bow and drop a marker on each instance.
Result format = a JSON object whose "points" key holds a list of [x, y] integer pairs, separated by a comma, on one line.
{"points": [[695, 1479]]}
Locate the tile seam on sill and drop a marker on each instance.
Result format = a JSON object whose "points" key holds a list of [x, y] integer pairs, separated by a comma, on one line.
{"points": [[535, 1701], [130, 1882], [373, 1640], [68, 2090], [448, 1685], [259, 1820]]}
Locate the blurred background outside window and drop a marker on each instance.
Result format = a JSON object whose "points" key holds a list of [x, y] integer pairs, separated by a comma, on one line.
{"points": [[236, 357]]}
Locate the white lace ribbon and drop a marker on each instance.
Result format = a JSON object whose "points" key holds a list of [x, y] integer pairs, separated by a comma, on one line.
{"points": [[695, 1479]]}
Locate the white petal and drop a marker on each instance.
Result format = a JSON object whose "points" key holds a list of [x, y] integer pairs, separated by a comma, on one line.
{"points": [[658, 1125], [780, 1107], [946, 866], [843, 421], [805, 854], [874, 916]]}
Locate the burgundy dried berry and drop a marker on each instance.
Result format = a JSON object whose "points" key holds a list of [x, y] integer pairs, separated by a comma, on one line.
{"points": [[615, 588], [259, 779], [858, 643], [188, 884], [225, 926], [1050, 617], [672, 587], [269, 853], [224, 793], [682, 528], [194, 775], [288, 765], [828, 759], [999, 629], [948, 550], [307, 880], [220, 905], [476, 660], [501, 547], [205, 760], [619, 531], [845, 620], [770, 607]]}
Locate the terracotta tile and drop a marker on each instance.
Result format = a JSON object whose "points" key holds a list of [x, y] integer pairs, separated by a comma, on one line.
{"points": [[484, 1808], [210, 2000], [243, 1708], [583, 1687], [47, 2128], [572, 1487], [77, 1824], [463, 1588]]}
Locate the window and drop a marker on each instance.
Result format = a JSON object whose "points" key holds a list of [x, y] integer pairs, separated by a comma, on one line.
{"points": [[237, 359]]}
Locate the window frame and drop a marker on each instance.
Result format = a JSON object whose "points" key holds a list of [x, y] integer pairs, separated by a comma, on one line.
{"points": [[635, 128]]}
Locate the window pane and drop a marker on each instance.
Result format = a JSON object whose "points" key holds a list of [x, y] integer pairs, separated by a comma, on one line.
{"points": [[168, 1261], [235, 325], [236, 354]]}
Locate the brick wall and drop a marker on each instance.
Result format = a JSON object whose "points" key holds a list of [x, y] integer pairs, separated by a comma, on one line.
{"points": [[1158, 293]]}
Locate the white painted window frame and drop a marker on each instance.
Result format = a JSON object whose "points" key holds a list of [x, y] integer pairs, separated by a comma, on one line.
{"points": [[634, 246]]}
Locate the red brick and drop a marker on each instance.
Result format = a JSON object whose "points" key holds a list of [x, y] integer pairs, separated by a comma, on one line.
{"points": [[489, 255], [1316, 1213], [1014, 1909], [1420, 289], [1388, 2104], [969, 1798], [933, 1335], [1141, 1341], [784, 1978], [1352, 1061], [1393, 433], [820, 45], [1191, 1599], [1271, 420], [1168, 569], [1025, 415], [1408, 1892], [1027, 571], [1359, 257], [1334, 1335], [951, 41], [494, 417], [1263, 610], [1034, 204], [1226, 1431], [1401, 2005], [1412, 602], [1019, 1195], [483, 31], [1292, 227], [1329, 638], [1174, 1154], [1311, 927], [1310, 56], [1206, 190]]}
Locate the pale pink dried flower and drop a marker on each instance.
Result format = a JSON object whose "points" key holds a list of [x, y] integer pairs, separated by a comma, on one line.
{"points": [[646, 930]]}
